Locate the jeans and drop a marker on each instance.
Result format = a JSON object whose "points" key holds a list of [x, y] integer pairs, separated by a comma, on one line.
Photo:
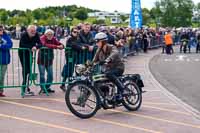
{"points": [[18, 35], [125, 50], [49, 81], [136, 47], [113, 75], [67, 72], [163, 48], [3, 69], [120, 49]]}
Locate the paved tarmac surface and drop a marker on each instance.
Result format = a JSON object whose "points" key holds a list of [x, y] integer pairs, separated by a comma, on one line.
{"points": [[180, 74], [160, 112]]}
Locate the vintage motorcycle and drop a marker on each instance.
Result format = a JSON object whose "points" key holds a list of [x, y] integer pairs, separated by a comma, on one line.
{"points": [[88, 92]]}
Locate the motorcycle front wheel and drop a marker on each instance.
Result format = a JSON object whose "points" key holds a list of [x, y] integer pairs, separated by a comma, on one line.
{"points": [[82, 100]]}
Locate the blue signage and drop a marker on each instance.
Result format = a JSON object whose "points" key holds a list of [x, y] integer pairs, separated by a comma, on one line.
{"points": [[136, 14]]}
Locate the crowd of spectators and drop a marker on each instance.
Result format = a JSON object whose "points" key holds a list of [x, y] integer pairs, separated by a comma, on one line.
{"points": [[81, 38]]}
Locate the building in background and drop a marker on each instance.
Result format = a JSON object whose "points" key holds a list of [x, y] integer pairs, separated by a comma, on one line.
{"points": [[114, 16]]}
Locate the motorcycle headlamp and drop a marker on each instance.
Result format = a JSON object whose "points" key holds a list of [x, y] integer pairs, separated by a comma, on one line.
{"points": [[80, 68]]}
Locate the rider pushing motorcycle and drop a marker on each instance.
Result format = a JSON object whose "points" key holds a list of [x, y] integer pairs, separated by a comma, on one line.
{"points": [[109, 58]]}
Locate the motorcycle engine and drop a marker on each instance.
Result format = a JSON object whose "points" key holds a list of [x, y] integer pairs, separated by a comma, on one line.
{"points": [[108, 90]]}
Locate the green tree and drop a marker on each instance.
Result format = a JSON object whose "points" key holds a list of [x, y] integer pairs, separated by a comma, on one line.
{"points": [[173, 13], [99, 21], [198, 6], [146, 16], [15, 13], [42, 22], [155, 12], [81, 14], [196, 17], [37, 14], [3, 16], [169, 16], [184, 12], [123, 17], [29, 16]]}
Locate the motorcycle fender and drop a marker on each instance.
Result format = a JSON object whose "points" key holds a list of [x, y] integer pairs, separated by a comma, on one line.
{"points": [[137, 79], [79, 81]]}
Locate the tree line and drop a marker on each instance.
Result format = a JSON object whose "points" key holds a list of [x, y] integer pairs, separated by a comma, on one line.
{"points": [[172, 13], [44, 16]]}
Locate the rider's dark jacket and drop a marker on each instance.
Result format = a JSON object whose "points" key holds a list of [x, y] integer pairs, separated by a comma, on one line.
{"points": [[112, 56]]}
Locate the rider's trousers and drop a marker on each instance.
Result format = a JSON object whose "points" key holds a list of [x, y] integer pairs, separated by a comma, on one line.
{"points": [[113, 75]]}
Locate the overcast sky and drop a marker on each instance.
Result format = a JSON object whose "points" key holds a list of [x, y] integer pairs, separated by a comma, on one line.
{"points": [[104, 5]]}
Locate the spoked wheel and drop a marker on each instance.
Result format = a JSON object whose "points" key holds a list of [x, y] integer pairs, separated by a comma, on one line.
{"points": [[82, 100], [133, 100]]}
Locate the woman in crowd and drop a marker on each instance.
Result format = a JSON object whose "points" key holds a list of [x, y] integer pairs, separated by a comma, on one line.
{"points": [[5, 45]]}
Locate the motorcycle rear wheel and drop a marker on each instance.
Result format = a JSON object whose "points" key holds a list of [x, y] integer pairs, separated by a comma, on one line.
{"points": [[133, 100]]}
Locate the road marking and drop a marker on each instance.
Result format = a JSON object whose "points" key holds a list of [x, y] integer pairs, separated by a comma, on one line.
{"points": [[158, 119], [152, 90], [155, 103], [147, 106], [69, 114], [197, 60], [168, 60], [151, 103], [124, 125], [168, 110], [156, 99], [180, 57], [188, 60], [41, 123], [63, 101], [127, 113], [42, 99]]}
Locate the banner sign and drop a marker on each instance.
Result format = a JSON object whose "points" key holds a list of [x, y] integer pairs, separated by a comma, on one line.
{"points": [[136, 14]]}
